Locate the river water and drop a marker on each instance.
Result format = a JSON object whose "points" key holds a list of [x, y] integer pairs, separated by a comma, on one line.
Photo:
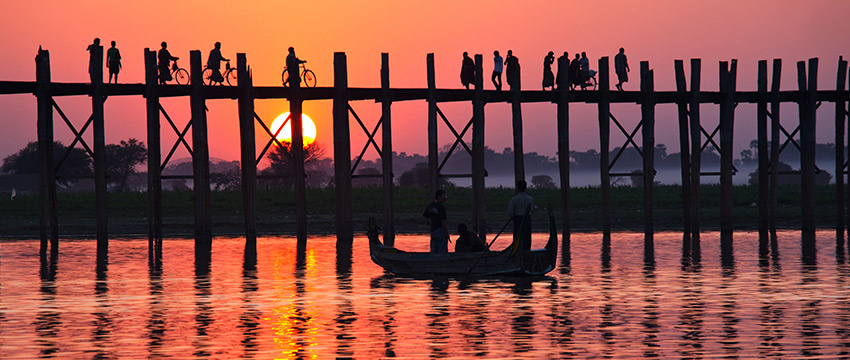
{"points": [[615, 305]]}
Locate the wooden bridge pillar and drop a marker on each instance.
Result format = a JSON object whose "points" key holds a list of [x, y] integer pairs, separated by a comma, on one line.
{"points": [[604, 142], [516, 115], [99, 138], [696, 151], [297, 149], [808, 109], [840, 119], [564, 148], [154, 156], [433, 150], [727, 118], [480, 225], [763, 180], [774, 144], [647, 88], [342, 152], [684, 149], [200, 161], [387, 151], [47, 179], [247, 142]]}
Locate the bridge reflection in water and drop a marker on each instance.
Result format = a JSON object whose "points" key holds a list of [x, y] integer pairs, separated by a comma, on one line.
{"points": [[285, 303]]}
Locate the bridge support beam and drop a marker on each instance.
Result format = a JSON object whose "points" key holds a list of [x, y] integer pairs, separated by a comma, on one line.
{"points": [[154, 157], [479, 223], [200, 163], [48, 219], [564, 152], [247, 137], [387, 151], [342, 153], [647, 88]]}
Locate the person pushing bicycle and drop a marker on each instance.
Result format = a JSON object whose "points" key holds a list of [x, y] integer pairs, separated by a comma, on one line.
{"points": [[164, 59], [214, 63], [293, 63]]}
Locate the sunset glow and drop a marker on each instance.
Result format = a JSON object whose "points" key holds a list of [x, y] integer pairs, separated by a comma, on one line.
{"points": [[285, 135]]}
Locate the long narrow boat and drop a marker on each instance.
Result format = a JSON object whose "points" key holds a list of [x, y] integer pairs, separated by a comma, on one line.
{"points": [[510, 261]]}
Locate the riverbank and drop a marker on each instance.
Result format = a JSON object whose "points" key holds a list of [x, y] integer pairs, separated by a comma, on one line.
{"points": [[19, 217]]}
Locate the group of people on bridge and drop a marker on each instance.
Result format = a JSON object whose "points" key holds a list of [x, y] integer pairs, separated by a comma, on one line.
{"points": [[580, 74], [167, 63]]}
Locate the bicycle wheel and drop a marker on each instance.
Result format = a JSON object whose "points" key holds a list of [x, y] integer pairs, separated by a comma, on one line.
{"points": [[285, 78], [230, 76], [309, 78], [208, 80], [181, 76], [593, 81]]}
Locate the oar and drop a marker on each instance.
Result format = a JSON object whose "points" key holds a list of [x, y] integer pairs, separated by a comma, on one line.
{"points": [[488, 247]]}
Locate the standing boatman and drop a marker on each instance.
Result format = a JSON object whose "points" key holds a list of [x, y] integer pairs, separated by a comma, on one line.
{"points": [[520, 209]]}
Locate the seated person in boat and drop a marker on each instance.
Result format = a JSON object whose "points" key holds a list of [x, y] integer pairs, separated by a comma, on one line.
{"points": [[436, 212], [468, 240]]}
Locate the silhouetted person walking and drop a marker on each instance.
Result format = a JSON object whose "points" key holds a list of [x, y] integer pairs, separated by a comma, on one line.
{"points": [[113, 62], [517, 211], [585, 67], [511, 68], [548, 76], [165, 60], [92, 66], [621, 66], [436, 212], [214, 63], [467, 71], [497, 71], [575, 71], [558, 81], [293, 64]]}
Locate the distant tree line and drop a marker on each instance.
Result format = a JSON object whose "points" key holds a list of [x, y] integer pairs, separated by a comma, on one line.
{"points": [[125, 160]]}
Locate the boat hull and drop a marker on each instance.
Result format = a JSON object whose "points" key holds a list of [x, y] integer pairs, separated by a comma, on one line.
{"points": [[507, 262]]}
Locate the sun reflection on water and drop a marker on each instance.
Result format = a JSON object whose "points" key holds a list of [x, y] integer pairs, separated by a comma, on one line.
{"points": [[612, 302]]}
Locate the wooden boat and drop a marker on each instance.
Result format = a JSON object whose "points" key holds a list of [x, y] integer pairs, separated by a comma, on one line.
{"points": [[510, 261]]}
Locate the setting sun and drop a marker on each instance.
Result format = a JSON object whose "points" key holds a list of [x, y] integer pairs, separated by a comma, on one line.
{"points": [[285, 135]]}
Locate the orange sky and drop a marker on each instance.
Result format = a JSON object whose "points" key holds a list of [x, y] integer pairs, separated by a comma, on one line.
{"points": [[657, 31]]}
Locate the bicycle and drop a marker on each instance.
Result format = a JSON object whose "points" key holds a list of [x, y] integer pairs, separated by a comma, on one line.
{"points": [[590, 82], [179, 74], [307, 76], [229, 75]]}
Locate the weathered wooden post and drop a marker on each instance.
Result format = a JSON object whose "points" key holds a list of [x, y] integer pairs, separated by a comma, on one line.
{"points": [[684, 148], [47, 177], [248, 151], [387, 151], [342, 152], [99, 139], [840, 119], [775, 103], [604, 139], [763, 181], [516, 119], [154, 156], [200, 162], [807, 140], [727, 118], [647, 89], [696, 151], [433, 150], [480, 225], [564, 148], [297, 150]]}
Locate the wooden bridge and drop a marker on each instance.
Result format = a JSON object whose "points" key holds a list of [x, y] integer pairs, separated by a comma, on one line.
{"points": [[694, 138]]}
